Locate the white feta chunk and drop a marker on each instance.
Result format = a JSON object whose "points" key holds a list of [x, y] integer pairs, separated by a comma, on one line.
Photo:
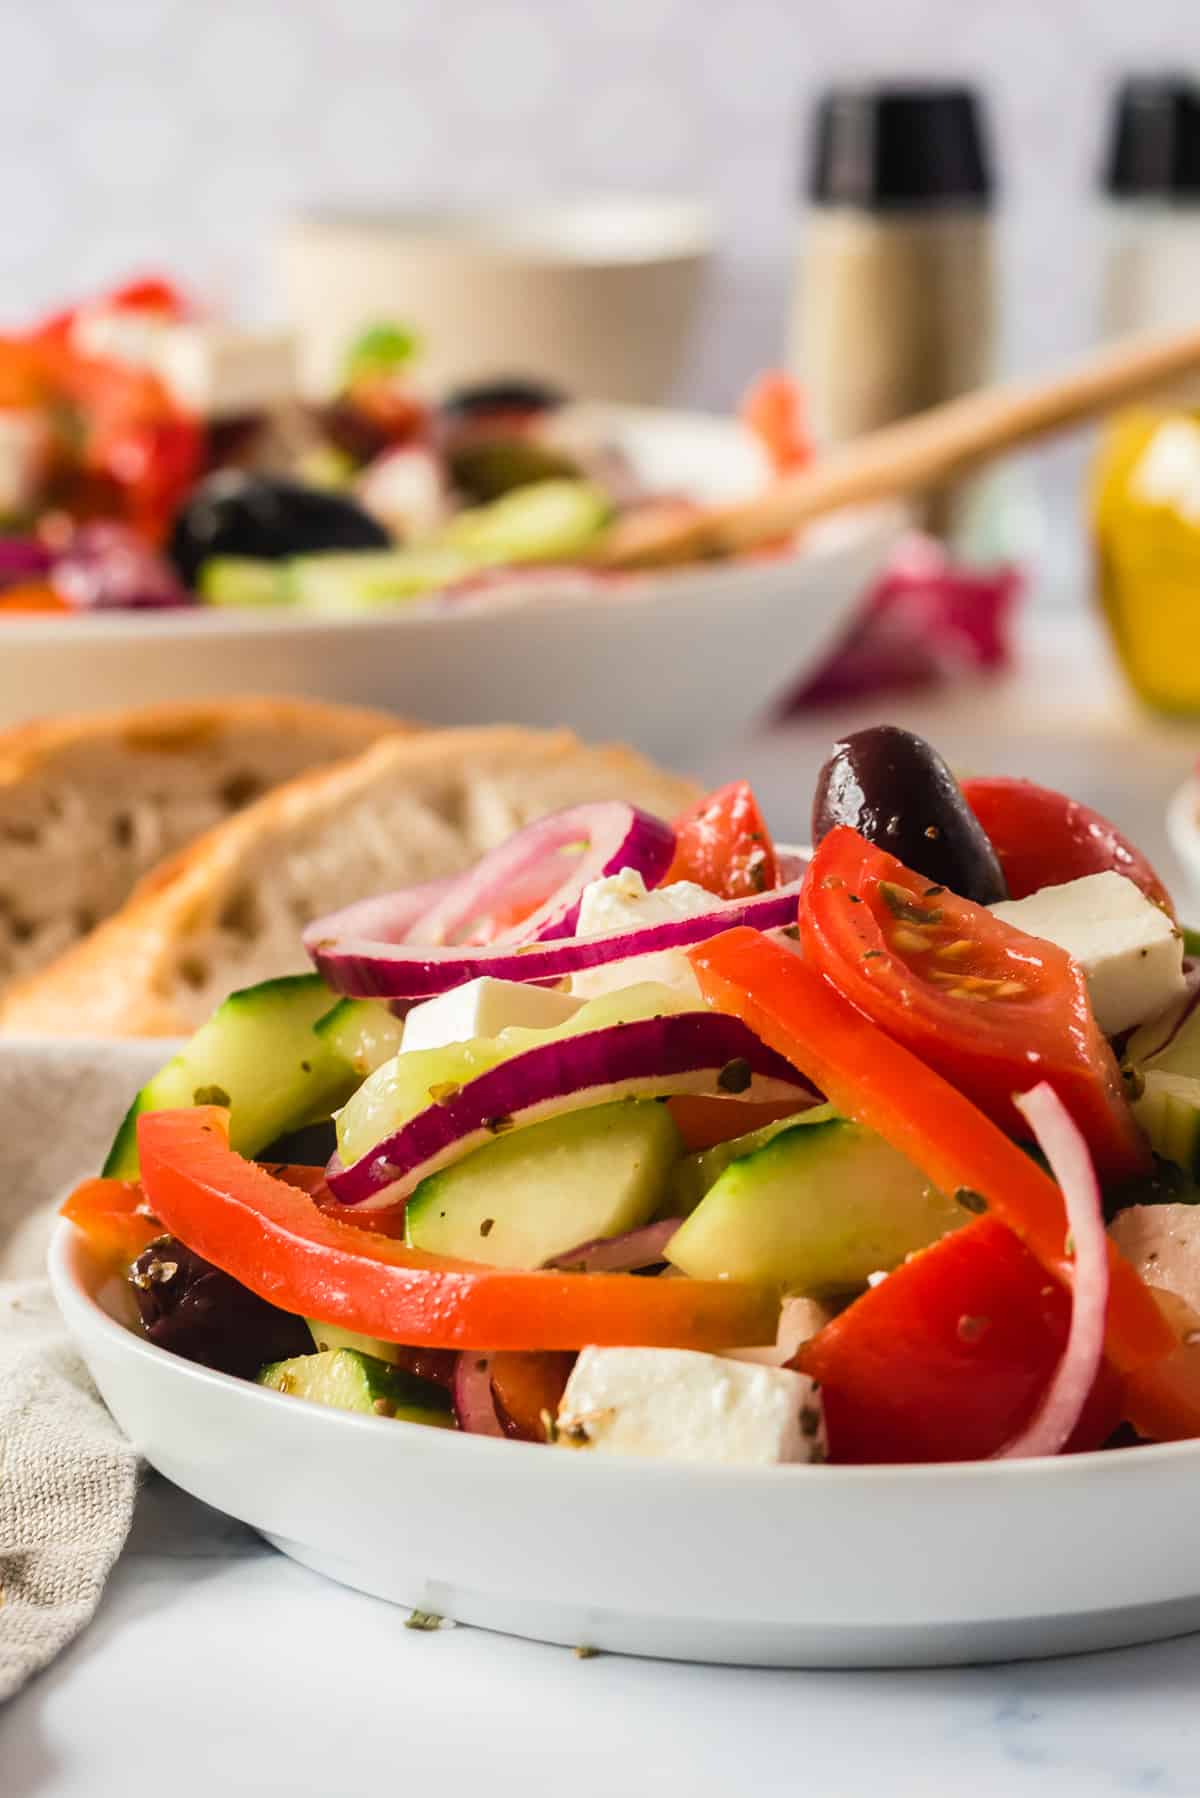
{"points": [[219, 372], [677, 1405], [484, 1007], [1163, 1243], [621, 902], [1130, 951]]}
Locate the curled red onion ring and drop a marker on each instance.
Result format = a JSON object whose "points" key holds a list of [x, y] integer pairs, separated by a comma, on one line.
{"points": [[623, 1254], [691, 1051], [387, 918], [1064, 1147], [381, 970], [474, 1400]]}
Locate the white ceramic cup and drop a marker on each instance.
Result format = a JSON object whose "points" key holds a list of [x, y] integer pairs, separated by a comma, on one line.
{"points": [[597, 296]]}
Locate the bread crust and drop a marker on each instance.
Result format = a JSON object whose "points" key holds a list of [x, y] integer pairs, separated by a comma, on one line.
{"points": [[434, 802]]}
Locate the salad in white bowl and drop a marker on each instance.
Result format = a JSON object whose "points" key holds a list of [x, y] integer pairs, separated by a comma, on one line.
{"points": [[656, 1139]]}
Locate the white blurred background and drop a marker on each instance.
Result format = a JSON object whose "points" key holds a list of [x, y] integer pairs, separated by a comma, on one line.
{"points": [[178, 133]]}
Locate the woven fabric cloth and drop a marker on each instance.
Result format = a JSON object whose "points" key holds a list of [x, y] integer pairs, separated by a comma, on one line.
{"points": [[68, 1477]]}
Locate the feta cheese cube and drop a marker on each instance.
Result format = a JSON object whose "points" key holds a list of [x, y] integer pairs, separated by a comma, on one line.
{"points": [[677, 1405], [484, 1007], [1130, 951], [621, 902]]}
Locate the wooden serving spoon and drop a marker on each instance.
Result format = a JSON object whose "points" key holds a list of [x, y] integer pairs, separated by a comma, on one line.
{"points": [[916, 454]]}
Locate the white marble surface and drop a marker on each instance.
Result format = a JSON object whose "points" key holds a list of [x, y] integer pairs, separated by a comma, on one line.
{"points": [[215, 1664]]}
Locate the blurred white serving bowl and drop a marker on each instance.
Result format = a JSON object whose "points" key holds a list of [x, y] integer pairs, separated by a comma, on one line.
{"points": [[783, 1566], [673, 662], [595, 296], [1183, 831]]}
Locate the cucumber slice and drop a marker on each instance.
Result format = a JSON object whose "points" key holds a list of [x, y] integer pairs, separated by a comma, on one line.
{"points": [[549, 521], [340, 583], [816, 1210], [331, 1336], [241, 581], [542, 1190], [350, 1381], [1169, 1112], [692, 1177], [259, 1054], [363, 1033]]}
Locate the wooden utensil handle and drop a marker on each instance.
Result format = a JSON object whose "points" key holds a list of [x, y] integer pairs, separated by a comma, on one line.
{"points": [[925, 450]]}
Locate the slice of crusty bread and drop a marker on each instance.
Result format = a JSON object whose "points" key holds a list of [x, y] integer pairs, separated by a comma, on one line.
{"points": [[89, 805], [228, 910]]}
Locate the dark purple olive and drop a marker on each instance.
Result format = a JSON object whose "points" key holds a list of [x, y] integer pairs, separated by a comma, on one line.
{"points": [[193, 1309], [894, 789], [235, 514]]}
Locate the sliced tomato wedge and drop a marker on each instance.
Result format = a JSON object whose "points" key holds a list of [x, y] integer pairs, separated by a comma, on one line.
{"points": [[274, 1239], [947, 1359], [992, 1009], [723, 845], [1043, 839], [882, 1085]]}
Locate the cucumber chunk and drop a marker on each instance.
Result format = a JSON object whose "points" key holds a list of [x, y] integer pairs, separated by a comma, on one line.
{"points": [[363, 1033], [543, 1189], [816, 1210], [692, 1177], [350, 1381], [260, 1055], [332, 1336], [241, 581], [549, 521], [1169, 1112], [338, 583]]}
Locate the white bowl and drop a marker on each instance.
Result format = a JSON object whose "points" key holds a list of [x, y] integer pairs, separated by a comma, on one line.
{"points": [[1183, 830], [595, 296], [784, 1566], [665, 664]]}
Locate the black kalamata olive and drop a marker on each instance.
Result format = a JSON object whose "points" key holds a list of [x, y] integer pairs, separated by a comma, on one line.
{"points": [[234, 514], [190, 1307], [894, 789], [482, 398]]}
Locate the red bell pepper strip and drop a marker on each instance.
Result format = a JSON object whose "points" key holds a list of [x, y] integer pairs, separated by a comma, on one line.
{"points": [[275, 1240], [115, 1218], [947, 1359], [883, 1086]]}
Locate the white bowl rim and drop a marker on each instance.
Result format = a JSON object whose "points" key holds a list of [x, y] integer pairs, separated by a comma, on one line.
{"points": [[68, 1252], [604, 228]]}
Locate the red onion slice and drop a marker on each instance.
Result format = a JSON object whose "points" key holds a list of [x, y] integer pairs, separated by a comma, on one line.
{"points": [[684, 1052], [623, 1254], [378, 970], [387, 918], [474, 1400], [552, 861], [1063, 1145]]}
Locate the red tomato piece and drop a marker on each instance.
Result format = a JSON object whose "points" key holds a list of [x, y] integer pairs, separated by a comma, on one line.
{"points": [[723, 845], [527, 1385], [274, 1239], [883, 1086], [773, 411], [1044, 839], [993, 1010], [703, 1122], [947, 1359]]}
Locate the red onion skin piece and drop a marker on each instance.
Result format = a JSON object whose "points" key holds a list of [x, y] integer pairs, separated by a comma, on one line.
{"points": [[618, 836], [366, 970], [1063, 1145], [474, 1401], [650, 1058], [623, 1254]]}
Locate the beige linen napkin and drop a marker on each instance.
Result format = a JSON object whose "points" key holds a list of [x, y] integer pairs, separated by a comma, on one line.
{"points": [[67, 1475]]}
